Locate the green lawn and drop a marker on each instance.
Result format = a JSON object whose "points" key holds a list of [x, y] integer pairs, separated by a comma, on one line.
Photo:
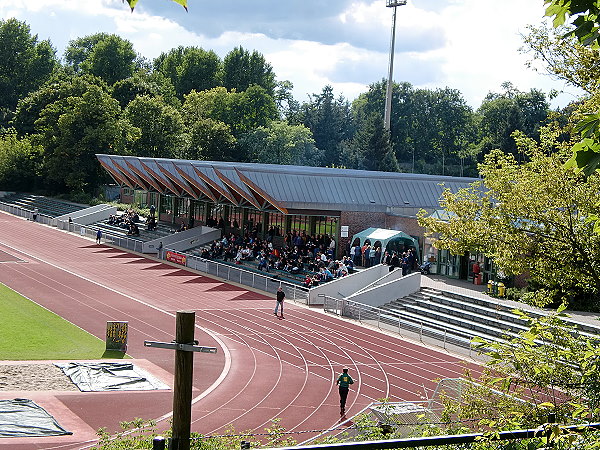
{"points": [[30, 332]]}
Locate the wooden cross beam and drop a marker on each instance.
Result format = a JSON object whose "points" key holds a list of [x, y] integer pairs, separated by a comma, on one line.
{"points": [[184, 346]]}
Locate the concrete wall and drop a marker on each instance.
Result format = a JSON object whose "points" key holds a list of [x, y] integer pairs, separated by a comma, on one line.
{"points": [[381, 293], [348, 285], [86, 216], [389, 276], [183, 240], [90, 215]]}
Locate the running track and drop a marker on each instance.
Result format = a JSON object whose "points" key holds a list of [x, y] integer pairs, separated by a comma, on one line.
{"points": [[265, 368]]}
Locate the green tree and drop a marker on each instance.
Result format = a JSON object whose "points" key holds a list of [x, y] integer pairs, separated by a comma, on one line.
{"points": [[436, 127], [241, 111], [19, 162], [161, 126], [216, 104], [584, 17], [190, 68], [141, 83], [211, 140], [107, 56], [563, 57], [288, 107], [585, 26], [531, 218], [252, 108], [280, 143], [61, 87], [330, 121], [73, 130], [512, 110], [551, 366], [79, 49], [371, 149], [242, 69], [25, 64]]}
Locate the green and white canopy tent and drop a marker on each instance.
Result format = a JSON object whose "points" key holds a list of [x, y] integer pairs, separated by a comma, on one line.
{"points": [[389, 239]]}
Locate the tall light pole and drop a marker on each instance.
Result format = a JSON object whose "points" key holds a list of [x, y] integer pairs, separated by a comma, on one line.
{"points": [[388, 92]]}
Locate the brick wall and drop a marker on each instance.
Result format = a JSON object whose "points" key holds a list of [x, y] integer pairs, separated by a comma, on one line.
{"points": [[359, 221]]}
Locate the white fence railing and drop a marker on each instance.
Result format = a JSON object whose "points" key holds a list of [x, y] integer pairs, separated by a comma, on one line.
{"points": [[382, 319], [27, 213], [225, 271], [249, 278]]}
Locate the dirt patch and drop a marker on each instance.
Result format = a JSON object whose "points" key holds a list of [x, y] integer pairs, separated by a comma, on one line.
{"points": [[34, 377]]}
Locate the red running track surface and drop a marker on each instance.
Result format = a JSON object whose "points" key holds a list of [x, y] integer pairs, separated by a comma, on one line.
{"points": [[266, 368]]}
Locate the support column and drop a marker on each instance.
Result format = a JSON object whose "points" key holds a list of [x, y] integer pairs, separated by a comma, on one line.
{"points": [[184, 370]]}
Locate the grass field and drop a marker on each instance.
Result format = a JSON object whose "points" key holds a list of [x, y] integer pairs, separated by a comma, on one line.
{"points": [[30, 332]]}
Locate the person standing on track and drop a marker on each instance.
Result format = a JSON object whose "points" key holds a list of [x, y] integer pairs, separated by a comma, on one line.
{"points": [[280, 297], [98, 236], [344, 381]]}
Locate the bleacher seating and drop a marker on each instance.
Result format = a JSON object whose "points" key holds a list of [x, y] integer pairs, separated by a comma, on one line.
{"points": [[145, 235], [461, 317], [252, 266], [45, 205]]}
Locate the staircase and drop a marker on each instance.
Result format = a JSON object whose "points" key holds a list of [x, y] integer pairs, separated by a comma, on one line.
{"points": [[457, 318]]}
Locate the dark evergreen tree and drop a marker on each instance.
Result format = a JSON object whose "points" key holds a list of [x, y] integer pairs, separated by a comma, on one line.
{"points": [[331, 123], [371, 149]]}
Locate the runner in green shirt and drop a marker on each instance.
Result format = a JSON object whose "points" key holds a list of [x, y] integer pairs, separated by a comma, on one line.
{"points": [[344, 381]]}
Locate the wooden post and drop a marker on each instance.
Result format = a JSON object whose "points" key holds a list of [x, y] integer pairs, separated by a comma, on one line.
{"points": [[182, 392]]}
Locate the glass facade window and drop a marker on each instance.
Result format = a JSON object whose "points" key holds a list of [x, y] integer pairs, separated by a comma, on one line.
{"points": [[253, 219], [183, 209], [166, 205], [448, 264], [236, 216], [300, 223], [326, 225], [140, 198], [152, 199], [277, 222], [198, 211]]}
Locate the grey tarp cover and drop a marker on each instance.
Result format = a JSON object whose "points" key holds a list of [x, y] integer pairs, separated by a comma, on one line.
{"points": [[22, 417], [110, 376]]}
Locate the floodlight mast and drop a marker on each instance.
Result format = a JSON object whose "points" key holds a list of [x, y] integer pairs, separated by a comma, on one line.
{"points": [[388, 92]]}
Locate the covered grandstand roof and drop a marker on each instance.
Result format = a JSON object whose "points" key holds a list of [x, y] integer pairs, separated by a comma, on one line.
{"points": [[289, 189]]}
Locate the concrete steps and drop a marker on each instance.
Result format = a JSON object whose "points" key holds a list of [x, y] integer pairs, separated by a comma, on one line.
{"points": [[459, 318]]}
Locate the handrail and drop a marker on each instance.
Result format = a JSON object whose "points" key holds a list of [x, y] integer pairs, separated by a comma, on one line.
{"points": [[246, 277], [367, 313], [235, 274]]}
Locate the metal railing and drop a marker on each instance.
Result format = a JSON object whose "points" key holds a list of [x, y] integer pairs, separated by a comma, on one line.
{"points": [[239, 275], [245, 277], [383, 319], [545, 434], [19, 211], [108, 237]]}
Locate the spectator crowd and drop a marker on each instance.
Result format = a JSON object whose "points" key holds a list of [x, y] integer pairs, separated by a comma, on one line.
{"points": [[128, 220], [307, 257]]}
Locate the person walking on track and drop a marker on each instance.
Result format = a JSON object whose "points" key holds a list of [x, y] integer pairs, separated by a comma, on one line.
{"points": [[344, 381], [280, 297]]}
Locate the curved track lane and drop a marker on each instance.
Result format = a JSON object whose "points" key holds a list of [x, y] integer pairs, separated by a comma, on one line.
{"points": [[266, 368]]}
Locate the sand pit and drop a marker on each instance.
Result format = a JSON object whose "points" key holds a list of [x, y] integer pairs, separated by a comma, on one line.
{"points": [[34, 377]]}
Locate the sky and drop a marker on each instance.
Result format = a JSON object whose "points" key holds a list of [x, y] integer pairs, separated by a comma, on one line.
{"points": [[468, 45]]}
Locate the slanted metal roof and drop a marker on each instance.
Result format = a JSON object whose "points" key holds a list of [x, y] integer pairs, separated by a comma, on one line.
{"points": [[271, 187]]}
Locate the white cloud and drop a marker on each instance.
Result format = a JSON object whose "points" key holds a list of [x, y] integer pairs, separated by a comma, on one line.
{"points": [[469, 45]]}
